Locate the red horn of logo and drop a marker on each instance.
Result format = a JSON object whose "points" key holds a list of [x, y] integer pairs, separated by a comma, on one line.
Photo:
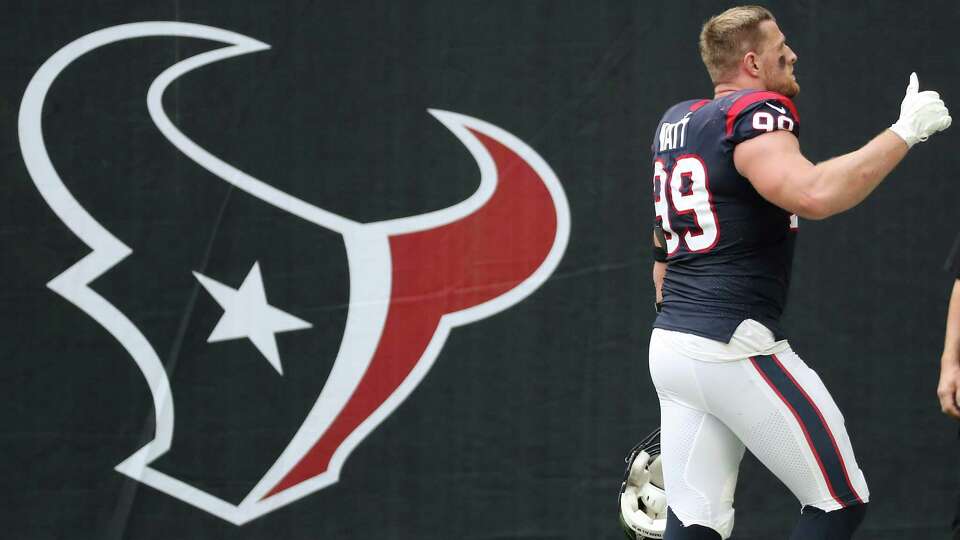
{"points": [[441, 271]]}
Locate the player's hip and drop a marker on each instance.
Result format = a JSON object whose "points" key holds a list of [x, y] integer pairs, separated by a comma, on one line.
{"points": [[774, 404]]}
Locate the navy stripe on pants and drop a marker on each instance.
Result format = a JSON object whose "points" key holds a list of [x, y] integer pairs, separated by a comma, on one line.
{"points": [[814, 426]]}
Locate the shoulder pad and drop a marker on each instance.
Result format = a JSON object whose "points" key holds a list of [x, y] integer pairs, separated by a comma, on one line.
{"points": [[760, 112]]}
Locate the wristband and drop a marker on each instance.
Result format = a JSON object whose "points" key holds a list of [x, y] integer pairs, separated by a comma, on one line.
{"points": [[659, 251]]}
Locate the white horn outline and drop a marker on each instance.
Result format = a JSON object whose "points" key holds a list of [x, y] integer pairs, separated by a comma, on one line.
{"points": [[367, 249]]}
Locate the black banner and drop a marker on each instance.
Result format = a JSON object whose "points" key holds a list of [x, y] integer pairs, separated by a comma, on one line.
{"points": [[381, 269]]}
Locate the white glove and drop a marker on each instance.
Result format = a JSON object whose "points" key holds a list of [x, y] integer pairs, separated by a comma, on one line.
{"points": [[921, 114]]}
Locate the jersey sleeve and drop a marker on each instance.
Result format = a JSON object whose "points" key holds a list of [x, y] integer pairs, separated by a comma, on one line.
{"points": [[761, 112]]}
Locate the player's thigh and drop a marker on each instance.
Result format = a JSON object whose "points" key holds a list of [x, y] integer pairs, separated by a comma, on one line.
{"points": [[701, 459], [784, 414]]}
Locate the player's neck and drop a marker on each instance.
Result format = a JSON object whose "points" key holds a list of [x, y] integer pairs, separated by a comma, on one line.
{"points": [[725, 88]]}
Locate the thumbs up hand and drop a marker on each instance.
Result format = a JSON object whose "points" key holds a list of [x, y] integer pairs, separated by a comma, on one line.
{"points": [[921, 114]]}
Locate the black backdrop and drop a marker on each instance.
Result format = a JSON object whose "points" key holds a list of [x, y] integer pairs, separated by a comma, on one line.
{"points": [[519, 429]]}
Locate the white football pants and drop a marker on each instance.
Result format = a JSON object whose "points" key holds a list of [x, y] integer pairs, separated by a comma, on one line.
{"points": [[717, 398]]}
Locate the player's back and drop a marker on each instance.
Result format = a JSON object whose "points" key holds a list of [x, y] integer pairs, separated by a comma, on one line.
{"points": [[729, 250]]}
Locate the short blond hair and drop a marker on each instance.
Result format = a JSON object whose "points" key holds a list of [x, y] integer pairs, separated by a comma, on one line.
{"points": [[726, 37]]}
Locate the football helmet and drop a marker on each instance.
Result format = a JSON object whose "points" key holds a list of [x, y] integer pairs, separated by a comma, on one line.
{"points": [[642, 502]]}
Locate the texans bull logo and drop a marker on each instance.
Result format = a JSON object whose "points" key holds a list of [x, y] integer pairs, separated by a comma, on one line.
{"points": [[491, 250]]}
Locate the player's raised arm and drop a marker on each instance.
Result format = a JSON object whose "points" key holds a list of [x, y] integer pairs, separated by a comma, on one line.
{"points": [[781, 174]]}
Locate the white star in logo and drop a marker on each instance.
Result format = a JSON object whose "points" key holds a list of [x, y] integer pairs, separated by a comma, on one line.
{"points": [[246, 314]]}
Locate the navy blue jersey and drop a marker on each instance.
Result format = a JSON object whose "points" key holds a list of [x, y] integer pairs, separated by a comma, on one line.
{"points": [[729, 249]]}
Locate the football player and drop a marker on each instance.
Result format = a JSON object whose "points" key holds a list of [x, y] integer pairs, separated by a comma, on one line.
{"points": [[729, 182]]}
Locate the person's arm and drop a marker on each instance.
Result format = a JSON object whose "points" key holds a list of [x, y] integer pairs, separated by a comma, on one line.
{"points": [[659, 270], [778, 170], [949, 385]]}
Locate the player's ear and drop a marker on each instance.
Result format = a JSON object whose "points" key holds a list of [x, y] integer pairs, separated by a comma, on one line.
{"points": [[750, 64]]}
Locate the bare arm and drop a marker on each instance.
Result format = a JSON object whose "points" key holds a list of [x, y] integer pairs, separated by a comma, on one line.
{"points": [[781, 174], [659, 271], [950, 360]]}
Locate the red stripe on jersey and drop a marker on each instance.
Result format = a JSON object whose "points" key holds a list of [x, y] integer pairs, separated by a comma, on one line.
{"points": [[699, 104], [749, 99]]}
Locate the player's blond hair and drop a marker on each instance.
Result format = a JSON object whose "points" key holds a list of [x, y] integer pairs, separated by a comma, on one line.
{"points": [[726, 37]]}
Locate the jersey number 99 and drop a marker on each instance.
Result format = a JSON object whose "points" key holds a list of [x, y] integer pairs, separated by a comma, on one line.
{"points": [[691, 197]]}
